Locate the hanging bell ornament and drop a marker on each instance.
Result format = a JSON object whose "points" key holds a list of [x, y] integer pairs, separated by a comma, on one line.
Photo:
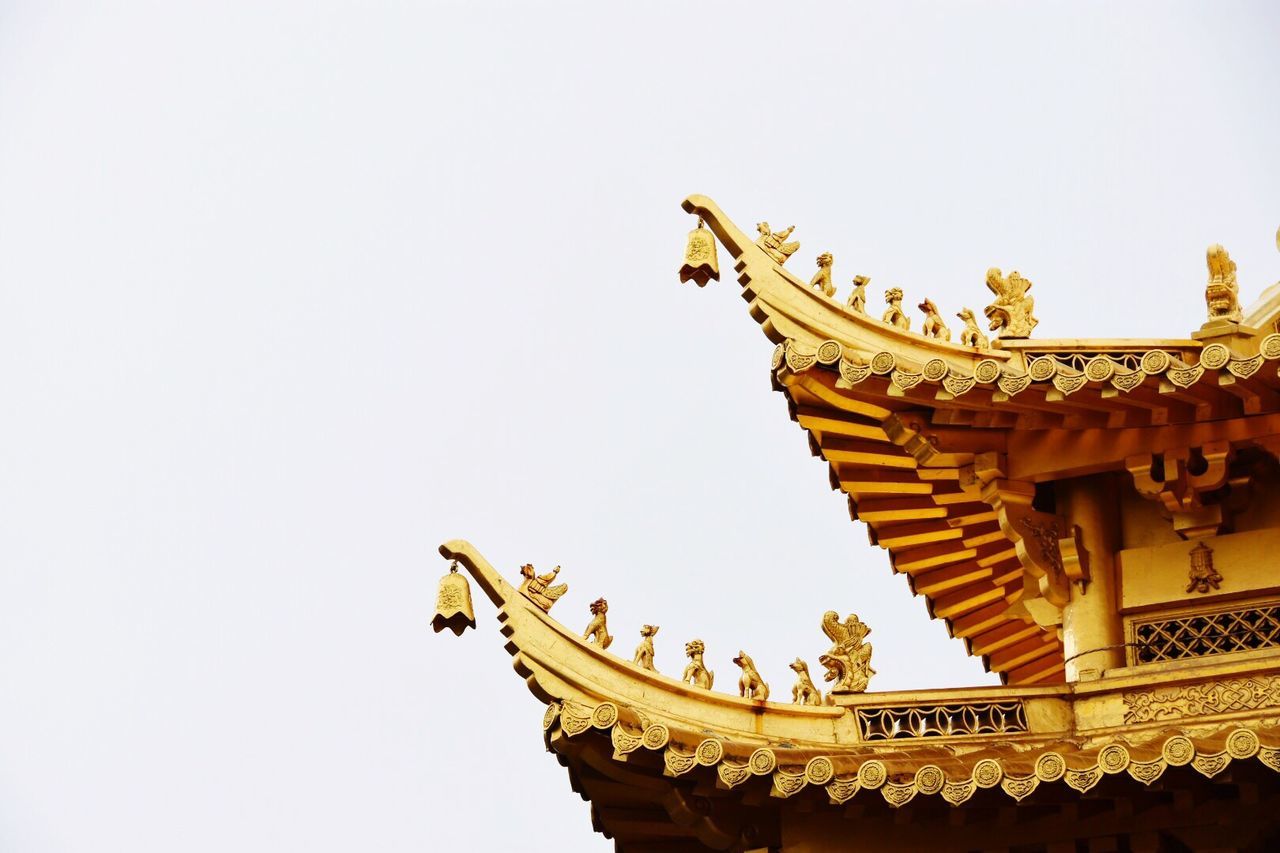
{"points": [[453, 603], [700, 257]]}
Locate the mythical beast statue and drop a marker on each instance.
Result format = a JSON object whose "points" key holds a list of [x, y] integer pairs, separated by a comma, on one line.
{"points": [[848, 661]]}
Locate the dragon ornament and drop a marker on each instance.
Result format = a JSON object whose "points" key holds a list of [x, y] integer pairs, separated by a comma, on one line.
{"points": [[1010, 314], [848, 661]]}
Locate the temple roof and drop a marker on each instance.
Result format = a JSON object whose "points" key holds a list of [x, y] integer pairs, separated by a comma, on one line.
{"points": [[914, 428], [667, 764]]}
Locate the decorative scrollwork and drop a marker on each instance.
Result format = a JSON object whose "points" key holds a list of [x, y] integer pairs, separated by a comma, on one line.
{"points": [[1128, 381], [1185, 377], [1013, 385], [678, 764], [1244, 367], [798, 360], [1069, 383], [1019, 789], [905, 379], [957, 385], [897, 795], [1211, 765], [1083, 780], [623, 741], [956, 793], [842, 790], [787, 784], [851, 374], [733, 774], [1146, 772]]}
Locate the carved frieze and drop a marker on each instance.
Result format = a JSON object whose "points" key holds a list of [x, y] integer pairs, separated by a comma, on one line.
{"points": [[1193, 700]]}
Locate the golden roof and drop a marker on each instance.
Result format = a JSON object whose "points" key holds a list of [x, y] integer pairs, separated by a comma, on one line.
{"points": [[653, 753], [914, 428]]}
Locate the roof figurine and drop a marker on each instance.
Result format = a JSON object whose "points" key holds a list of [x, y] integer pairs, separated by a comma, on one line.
{"points": [[1010, 314], [1060, 505], [894, 315], [858, 297], [1221, 294], [774, 245], [822, 278], [933, 326]]}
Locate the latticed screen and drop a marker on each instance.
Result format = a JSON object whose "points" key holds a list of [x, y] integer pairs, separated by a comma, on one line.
{"points": [[942, 720], [1207, 634]]}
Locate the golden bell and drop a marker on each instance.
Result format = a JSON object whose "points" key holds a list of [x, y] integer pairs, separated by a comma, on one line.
{"points": [[700, 257], [453, 603]]}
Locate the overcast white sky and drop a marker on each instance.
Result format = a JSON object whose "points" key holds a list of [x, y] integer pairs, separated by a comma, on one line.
{"points": [[291, 293]]}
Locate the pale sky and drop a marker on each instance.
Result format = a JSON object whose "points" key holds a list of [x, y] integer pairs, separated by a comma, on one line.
{"points": [[291, 293]]}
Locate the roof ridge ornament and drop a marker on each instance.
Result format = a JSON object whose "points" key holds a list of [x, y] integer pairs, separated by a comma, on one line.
{"points": [[1221, 294], [1010, 314]]}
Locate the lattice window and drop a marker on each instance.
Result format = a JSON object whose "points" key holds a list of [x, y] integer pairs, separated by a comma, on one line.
{"points": [[1207, 634], [942, 720]]}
